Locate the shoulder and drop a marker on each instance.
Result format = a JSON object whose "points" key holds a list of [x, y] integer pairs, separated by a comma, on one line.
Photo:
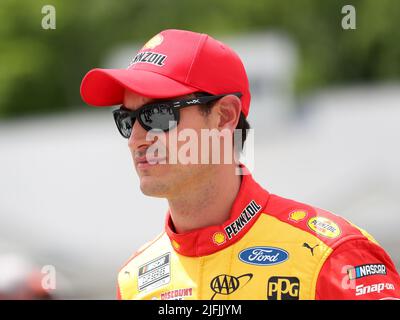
{"points": [[328, 227], [353, 266], [148, 249], [155, 250], [358, 269]]}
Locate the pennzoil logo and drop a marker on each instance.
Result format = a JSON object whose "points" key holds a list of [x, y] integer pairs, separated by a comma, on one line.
{"points": [[219, 238], [150, 57], [244, 218], [154, 42], [324, 227], [225, 284], [297, 215]]}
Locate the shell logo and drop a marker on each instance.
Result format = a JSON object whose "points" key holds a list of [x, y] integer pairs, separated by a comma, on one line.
{"points": [[176, 245], [324, 227], [154, 42], [297, 215], [219, 238]]}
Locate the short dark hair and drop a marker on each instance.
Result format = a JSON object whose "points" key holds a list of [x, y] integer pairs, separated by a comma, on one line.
{"points": [[242, 124]]}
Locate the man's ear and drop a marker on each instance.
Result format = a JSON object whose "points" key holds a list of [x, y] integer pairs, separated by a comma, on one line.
{"points": [[228, 109]]}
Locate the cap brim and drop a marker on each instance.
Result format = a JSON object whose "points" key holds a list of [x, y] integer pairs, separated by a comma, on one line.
{"points": [[105, 87]]}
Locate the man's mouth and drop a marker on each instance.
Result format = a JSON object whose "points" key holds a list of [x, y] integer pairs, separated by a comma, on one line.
{"points": [[145, 162]]}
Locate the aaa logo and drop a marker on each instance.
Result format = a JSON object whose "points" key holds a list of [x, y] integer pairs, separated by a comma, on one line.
{"points": [[225, 284]]}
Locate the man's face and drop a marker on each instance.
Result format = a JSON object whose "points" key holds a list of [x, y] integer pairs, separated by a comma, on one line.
{"points": [[171, 179]]}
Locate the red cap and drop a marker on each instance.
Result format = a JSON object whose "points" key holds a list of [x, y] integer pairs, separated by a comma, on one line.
{"points": [[172, 63]]}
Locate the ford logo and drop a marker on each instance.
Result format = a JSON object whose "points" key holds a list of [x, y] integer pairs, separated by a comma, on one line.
{"points": [[263, 256]]}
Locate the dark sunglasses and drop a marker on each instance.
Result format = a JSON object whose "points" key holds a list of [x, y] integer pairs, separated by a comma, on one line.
{"points": [[162, 115]]}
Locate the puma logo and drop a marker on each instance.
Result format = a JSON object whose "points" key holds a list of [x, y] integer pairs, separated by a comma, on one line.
{"points": [[306, 245]]}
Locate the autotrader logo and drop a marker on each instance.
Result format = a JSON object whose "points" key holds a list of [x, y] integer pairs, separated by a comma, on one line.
{"points": [[283, 288], [225, 284]]}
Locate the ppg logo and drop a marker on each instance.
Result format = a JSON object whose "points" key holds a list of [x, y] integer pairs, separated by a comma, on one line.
{"points": [[283, 288]]}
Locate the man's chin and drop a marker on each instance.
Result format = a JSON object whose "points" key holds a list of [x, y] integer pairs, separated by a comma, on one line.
{"points": [[151, 186]]}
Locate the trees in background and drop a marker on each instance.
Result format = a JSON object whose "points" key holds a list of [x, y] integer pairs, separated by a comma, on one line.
{"points": [[41, 70]]}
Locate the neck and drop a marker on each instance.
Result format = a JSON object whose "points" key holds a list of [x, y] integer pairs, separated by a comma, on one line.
{"points": [[208, 202]]}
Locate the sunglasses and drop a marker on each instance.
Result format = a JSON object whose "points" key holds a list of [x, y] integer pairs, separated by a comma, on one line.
{"points": [[162, 115]]}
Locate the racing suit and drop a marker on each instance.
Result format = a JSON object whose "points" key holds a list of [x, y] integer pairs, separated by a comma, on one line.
{"points": [[271, 248]]}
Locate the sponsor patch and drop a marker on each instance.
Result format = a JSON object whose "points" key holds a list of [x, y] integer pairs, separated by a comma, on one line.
{"points": [[366, 270], [150, 57], [244, 218], [175, 244], [297, 215], [324, 227], [377, 287], [263, 256], [154, 42], [177, 294], [283, 288], [311, 248], [155, 273], [225, 284], [219, 238]]}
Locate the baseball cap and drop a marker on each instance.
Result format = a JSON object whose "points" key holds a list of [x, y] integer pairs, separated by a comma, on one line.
{"points": [[172, 63]]}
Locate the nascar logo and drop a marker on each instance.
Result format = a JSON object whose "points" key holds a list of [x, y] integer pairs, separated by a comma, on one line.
{"points": [[366, 270]]}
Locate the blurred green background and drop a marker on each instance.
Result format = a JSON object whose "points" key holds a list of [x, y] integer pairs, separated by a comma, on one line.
{"points": [[325, 108], [41, 70]]}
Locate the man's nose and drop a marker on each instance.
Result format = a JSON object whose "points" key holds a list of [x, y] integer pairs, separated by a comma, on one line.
{"points": [[137, 140]]}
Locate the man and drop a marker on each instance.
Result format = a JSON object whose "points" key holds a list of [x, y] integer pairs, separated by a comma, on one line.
{"points": [[225, 236]]}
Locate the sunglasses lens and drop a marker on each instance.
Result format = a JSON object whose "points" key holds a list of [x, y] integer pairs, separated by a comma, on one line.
{"points": [[158, 117], [124, 123]]}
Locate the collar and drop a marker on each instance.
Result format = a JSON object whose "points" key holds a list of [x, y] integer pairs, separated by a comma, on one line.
{"points": [[248, 205]]}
